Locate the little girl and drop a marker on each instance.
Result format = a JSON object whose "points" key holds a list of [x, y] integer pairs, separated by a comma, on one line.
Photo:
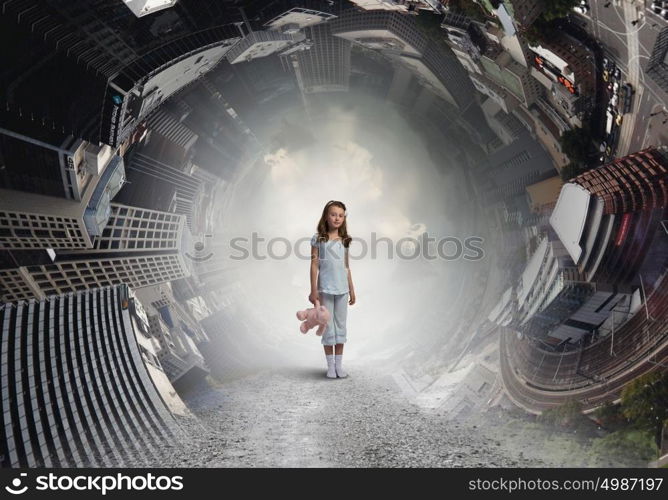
{"points": [[331, 281]]}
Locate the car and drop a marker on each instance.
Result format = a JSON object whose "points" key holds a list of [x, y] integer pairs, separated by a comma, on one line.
{"points": [[613, 100], [615, 87], [609, 86], [605, 75], [602, 147], [581, 9], [657, 9], [604, 63], [664, 13], [618, 73], [608, 150], [618, 119]]}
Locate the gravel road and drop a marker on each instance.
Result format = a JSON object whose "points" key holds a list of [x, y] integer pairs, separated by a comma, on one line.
{"points": [[296, 417]]}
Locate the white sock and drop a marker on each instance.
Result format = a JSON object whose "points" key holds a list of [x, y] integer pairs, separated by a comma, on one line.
{"points": [[340, 372], [331, 371]]}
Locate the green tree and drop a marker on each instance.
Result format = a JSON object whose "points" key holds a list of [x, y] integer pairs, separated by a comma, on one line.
{"points": [[576, 143], [556, 9], [632, 447], [567, 415], [468, 8], [610, 416], [645, 403]]}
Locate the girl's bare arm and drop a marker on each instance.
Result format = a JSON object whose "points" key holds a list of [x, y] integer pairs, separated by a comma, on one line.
{"points": [[314, 271], [350, 275]]}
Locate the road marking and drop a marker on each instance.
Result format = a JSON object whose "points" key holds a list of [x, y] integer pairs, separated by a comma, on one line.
{"points": [[633, 65]]}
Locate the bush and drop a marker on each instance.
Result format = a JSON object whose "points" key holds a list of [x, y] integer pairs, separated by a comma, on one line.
{"points": [[566, 416], [577, 144], [557, 9], [632, 447], [610, 416], [645, 402]]}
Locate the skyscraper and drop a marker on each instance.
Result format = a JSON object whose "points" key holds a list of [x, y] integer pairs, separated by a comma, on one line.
{"points": [[139, 247], [33, 221], [75, 389], [607, 217], [325, 67]]}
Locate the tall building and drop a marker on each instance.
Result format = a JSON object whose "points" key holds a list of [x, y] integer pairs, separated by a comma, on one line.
{"points": [[113, 69], [554, 303], [139, 247], [399, 37], [510, 169], [325, 66], [408, 6], [34, 221], [607, 217], [506, 72], [77, 389], [657, 66], [524, 12], [175, 334]]}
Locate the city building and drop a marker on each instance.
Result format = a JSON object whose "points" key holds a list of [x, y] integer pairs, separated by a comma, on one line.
{"points": [[510, 169], [504, 99], [548, 127], [78, 389], [505, 125], [554, 304], [113, 69], [145, 7], [506, 72], [607, 217], [566, 61], [524, 12], [406, 6], [325, 66], [258, 44], [138, 247], [543, 195], [467, 40], [168, 140], [175, 334], [35, 221], [657, 66], [298, 18], [398, 37]]}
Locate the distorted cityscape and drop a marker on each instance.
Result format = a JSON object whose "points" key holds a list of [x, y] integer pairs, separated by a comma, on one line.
{"points": [[502, 167]]}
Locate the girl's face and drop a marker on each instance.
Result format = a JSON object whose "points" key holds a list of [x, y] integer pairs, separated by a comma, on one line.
{"points": [[335, 217]]}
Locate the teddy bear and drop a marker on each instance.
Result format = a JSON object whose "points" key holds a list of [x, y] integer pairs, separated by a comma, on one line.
{"points": [[318, 315]]}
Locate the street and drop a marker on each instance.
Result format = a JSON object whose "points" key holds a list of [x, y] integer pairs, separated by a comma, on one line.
{"points": [[629, 45], [296, 417]]}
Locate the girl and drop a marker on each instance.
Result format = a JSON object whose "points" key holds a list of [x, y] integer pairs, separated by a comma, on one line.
{"points": [[331, 281]]}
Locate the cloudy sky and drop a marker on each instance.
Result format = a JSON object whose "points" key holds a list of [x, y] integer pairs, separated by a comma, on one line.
{"points": [[361, 152]]}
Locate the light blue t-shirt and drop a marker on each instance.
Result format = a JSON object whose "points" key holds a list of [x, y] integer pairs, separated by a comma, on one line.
{"points": [[332, 274]]}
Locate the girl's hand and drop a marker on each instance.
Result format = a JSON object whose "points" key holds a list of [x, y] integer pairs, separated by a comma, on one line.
{"points": [[351, 300], [313, 297]]}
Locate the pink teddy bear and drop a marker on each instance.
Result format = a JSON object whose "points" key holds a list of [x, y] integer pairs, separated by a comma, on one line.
{"points": [[318, 315]]}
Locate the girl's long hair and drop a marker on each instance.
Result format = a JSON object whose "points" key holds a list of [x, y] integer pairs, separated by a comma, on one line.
{"points": [[343, 228]]}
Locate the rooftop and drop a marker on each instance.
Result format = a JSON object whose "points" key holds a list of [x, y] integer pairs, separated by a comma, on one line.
{"points": [[569, 217]]}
